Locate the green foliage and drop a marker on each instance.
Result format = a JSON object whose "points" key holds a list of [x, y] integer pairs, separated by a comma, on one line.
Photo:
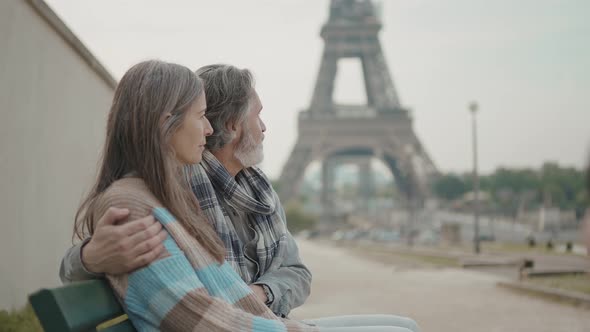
{"points": [[23, 320], [450, 187], [276, 185], [297, 219], [512, 189]]}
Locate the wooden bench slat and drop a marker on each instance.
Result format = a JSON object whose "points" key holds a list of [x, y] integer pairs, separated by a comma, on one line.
{"points": [[124, 326], [78, 307]]}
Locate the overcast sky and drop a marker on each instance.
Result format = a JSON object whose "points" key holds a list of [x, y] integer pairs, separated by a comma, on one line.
{"points": [[526, 62]]}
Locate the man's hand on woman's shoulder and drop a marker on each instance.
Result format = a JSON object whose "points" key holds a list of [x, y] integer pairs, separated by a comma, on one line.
{"points": [[121, 248]]}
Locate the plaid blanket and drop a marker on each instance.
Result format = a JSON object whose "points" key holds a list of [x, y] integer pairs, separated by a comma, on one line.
{"points": [[250, 191]]}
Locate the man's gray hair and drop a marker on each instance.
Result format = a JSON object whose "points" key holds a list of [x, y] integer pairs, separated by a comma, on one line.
{"points": [[228, 90]]}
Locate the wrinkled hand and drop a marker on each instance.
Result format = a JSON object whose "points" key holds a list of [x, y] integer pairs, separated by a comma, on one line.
{"points": [[116, 249], [259, 292]]}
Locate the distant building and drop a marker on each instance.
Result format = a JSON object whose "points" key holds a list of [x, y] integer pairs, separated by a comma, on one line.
{"points": [[54, 99], [467, 202], [549, 219]]}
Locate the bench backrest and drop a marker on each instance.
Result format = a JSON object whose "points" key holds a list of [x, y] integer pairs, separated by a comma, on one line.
{"points": [[79, 307]]}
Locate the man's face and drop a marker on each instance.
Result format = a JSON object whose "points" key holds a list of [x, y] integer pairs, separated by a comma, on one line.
{"points": [[249, 148]]}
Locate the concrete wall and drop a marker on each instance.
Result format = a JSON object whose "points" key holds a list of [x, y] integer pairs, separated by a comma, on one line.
{"points": [[53, 106]]}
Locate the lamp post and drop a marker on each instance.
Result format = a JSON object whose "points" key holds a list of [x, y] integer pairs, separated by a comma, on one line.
{"points": [[473, 107]]}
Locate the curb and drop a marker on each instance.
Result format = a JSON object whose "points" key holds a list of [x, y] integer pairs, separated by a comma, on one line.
{"points": [[471, 263], [570, 297]]}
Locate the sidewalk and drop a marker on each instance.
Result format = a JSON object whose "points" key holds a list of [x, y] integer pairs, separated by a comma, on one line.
{"points": [[439, 299]]}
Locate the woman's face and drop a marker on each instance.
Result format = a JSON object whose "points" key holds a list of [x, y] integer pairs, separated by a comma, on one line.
{"points": [[188, 142]]}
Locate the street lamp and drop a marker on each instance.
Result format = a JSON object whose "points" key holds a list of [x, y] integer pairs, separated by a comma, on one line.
{"points": [[473, 109]]}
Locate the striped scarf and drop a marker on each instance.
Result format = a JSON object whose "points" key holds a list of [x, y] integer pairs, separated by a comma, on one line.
{"points": [[251, 192]]}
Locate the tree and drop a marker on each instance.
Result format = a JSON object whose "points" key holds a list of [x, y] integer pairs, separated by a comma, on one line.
{"points": [[297, 219], [450, 187], [514, 189]]}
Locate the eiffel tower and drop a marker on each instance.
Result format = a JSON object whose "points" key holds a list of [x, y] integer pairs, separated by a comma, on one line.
{"points": [[336, 134]]}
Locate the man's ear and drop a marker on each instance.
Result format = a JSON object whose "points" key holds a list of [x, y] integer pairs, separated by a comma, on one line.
{"points": [[234, 128]]}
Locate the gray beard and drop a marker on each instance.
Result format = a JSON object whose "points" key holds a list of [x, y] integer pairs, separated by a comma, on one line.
{"points": [[248, 152]]}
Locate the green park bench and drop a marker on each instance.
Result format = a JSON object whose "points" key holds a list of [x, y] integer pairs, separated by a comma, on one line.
{"points": [[80, 307]]}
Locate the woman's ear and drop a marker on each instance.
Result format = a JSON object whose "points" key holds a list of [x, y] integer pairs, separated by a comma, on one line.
{"points": [[165, 117]]}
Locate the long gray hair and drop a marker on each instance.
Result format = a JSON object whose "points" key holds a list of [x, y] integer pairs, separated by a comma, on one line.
{"points": [[228, 90], [137, 140]]}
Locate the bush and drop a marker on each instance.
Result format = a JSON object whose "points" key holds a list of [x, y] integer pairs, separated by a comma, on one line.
{"points": [[23, 320], [297, 219]]}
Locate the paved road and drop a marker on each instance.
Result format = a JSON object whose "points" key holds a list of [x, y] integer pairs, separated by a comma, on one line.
{"points": [[439, 299]]}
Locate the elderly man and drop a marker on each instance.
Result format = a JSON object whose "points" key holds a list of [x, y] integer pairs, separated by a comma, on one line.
{"points": [[234, 194]]}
